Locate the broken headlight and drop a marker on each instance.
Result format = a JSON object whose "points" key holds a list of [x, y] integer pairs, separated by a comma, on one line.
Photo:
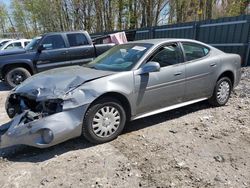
{"points": [[17, 104]]}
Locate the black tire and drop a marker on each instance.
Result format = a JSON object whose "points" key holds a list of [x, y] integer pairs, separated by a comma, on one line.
{"points": [[88, 129], [215, 100], [16, 75]]}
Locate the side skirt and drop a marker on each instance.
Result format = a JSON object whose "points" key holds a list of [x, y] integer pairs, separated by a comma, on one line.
{"points": [[167, 108]]}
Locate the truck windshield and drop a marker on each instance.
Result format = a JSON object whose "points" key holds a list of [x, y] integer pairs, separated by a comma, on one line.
{"points": [[120, 58], [33, 44]]}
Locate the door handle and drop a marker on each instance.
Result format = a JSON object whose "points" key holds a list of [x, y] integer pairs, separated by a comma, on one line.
{"points": [[177, 73], [213, 65], [64, 53]]}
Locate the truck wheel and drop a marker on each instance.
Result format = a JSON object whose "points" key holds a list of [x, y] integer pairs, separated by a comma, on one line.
{"points": [[16, 75], [103, 121], [222, 92]]}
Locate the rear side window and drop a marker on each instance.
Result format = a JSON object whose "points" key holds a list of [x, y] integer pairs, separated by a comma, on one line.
{"points": [[77, 39], [194, 51], [53, 42], [14, 45], [17, 44]]}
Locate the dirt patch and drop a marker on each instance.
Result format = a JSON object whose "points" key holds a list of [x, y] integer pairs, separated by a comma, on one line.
{"points": [[195, 146]]}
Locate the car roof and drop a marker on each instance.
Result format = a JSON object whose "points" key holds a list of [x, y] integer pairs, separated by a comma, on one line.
{"points": [[156, 42], [65, 32], [19, 40], [163, 40]]}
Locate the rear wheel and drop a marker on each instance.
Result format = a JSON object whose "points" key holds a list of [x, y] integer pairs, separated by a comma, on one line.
{"points": [[103, 121], [16, 75], [222, 92]]}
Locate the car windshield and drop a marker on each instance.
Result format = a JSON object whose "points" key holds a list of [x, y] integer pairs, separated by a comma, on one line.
{"points": [[120, 58], [3, 42], [33, 44]]}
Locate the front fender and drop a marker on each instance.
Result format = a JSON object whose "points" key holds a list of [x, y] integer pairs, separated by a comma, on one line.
{"points": [[16, 62]]}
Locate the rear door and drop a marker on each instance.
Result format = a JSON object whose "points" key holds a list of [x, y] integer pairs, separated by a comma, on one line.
{"points": [[55, 53], [80, 51], [199, 71], [157, 90]]}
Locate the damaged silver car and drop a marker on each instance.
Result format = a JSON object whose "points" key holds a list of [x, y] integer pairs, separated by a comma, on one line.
{"points": [[128, 82]]}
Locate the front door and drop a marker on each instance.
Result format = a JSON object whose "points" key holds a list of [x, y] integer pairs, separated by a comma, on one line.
{"points": [[157, 90], [55, 53]]}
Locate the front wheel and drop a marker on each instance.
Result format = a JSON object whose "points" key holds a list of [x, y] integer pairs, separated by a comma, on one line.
{"points": [[103, 121], [222, 92], [16, 75]]}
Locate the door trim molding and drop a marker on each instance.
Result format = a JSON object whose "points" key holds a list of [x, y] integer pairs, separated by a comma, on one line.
{"points": [[165, 84], [50, 64]]}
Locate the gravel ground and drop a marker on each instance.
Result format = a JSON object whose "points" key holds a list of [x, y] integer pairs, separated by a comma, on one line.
{"points": [[195, 146]]}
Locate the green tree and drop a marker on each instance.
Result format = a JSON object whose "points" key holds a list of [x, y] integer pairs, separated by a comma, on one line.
{"points": [[3, 18], [20, 16], [33, 17]]}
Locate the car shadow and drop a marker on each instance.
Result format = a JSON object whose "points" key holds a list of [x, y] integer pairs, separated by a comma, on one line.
{"points": [[34, 155], [165, 116], [31, 154], [4, 86]]}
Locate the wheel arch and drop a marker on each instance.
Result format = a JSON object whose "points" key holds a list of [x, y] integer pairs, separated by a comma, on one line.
{"points": [[121, 98], [15, 65], [229, 74]]}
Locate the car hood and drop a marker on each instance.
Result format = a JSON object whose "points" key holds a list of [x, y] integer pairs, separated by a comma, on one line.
{"points": [[12, 52], [55, 83]]}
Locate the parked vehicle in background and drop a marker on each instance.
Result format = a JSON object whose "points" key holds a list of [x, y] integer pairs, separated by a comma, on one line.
{"points": [[4, 41], [128, 82], [48, 51], [15, 44]]}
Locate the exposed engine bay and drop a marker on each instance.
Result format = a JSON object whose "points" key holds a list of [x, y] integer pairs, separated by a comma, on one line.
{"points": [[36, 109]]}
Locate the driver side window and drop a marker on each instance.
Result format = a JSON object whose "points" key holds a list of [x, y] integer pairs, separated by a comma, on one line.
{"points": [[167, 55], [53, 42]]}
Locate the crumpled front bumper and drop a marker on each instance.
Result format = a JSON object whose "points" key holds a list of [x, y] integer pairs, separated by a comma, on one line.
{"points": [[60, 127]]}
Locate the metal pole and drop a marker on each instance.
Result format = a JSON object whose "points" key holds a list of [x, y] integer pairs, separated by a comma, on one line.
{"points": [[247, 59]]}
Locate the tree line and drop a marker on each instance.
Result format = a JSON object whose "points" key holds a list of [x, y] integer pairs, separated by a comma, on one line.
{"points": [[33, 17]]}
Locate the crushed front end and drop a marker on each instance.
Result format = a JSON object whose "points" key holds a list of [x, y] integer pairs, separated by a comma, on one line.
{"points": [[40, 123], [48, 108]]}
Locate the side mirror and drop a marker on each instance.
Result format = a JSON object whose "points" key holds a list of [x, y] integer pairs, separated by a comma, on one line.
{"points": [[150, 66], [40, 48], [44, 47]]}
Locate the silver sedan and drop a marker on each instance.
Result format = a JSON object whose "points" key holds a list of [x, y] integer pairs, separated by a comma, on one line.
{"points": [[128, 82]]}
